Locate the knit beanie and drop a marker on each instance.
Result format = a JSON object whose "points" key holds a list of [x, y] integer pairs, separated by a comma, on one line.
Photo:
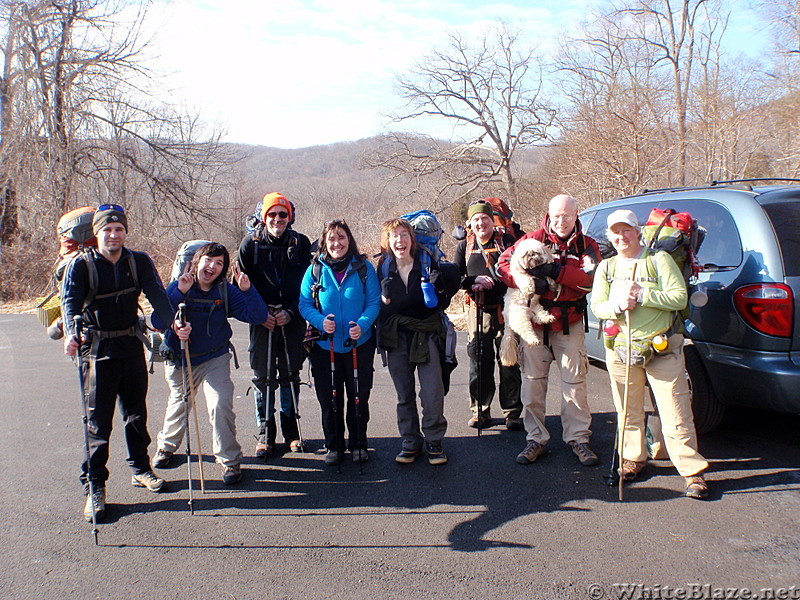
{"points": [[272, 200], [110, 215], [480, 207]]}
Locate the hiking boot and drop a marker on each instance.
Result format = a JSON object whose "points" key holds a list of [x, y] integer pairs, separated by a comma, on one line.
{"points": [[360, 455], [584, 454], [162, 459], [295, 446], [513, 423], [406, 457], [484, 423], [231, 475], [532, 451], [264, 451], [332, 458], [436, 455], [631, 468], [696, 487], [147, 480], [99, 504]]}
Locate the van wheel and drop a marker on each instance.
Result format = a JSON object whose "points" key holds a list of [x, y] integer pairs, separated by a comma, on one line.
{"points": [[708, 410]]}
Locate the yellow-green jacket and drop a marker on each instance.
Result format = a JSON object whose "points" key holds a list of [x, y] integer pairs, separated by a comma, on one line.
{"points": [[664, 292]]}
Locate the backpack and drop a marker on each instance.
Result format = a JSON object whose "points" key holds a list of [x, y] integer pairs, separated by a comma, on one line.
{"points": [[75, 230], [183, 257], [428, 233], [74, 235], [677, 234], [503, 218]]}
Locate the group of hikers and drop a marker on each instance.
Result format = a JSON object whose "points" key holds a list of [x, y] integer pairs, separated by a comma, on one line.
{"points": [[327, 302]]}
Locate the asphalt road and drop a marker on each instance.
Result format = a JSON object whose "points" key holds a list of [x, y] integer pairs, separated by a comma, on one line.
{"points": [[479, 527]]}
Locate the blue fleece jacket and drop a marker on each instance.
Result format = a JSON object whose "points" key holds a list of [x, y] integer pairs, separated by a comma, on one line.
{"points": [[349, 301], [211, 331]]}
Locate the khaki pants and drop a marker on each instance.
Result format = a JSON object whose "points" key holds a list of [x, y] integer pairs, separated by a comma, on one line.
{"points": [[569, 353], [215, 377], [668, 380]]}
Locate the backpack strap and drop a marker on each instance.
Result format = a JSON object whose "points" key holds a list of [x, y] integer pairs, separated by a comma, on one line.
{"points": [[91, 268]]}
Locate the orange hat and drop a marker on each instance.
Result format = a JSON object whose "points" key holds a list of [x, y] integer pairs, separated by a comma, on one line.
{"points": [[275, 199]]}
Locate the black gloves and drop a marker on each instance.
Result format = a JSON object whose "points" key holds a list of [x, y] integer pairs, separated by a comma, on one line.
{"points": [[386, 287], [540, 285], [548, 270]]}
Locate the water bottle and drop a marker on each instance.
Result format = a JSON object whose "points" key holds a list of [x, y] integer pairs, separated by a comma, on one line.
{"points": [[610, 332], [661, 344], [429, 294]]}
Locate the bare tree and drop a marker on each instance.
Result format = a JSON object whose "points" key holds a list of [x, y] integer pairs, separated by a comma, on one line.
{"points": [[80, 121], [491, 93]]}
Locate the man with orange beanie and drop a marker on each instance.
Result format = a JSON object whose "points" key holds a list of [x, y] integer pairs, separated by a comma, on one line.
{"points": [[276, 257]]}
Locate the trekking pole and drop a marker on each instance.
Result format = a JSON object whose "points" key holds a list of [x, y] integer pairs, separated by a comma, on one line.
{"points": [[82, 382], [351, 342], [192, 404], [295, 401], [479, 334], [186, 393], [629, 339], [334, 396], [267, 394]]}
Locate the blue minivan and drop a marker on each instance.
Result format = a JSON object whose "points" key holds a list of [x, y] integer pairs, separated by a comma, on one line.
{"points": [[742, 334]]}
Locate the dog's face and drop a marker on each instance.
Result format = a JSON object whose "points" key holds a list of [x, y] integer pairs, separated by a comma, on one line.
{"points": [[531, 253]]}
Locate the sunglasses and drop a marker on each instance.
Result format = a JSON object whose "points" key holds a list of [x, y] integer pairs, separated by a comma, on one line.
{"points": [[278, 215], [115, 207]]}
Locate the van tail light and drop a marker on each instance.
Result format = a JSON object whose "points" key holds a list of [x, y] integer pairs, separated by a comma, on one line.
{"points": [[766, 307]]}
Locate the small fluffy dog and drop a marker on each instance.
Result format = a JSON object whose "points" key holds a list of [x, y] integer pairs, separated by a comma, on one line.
{"points": [[522, 307]]}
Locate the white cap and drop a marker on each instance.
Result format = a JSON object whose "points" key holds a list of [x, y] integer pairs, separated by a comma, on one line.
{"points": [[623, 216]]}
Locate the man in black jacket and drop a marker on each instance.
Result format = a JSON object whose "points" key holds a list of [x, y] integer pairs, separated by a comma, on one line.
{"points": [[102, 286], [476, 258], [276, 257]]}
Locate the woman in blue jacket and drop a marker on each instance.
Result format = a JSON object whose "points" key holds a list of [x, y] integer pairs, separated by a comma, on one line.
{"points": [[340, 297], [209, 300]]}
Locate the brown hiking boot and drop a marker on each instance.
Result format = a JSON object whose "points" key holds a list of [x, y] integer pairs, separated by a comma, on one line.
{"points": [[532, 451], [631, 468], [696, 487], [584, 454], [264, 451]]}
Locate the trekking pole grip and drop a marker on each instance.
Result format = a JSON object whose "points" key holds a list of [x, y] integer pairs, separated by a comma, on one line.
{"points": [[78, 319]]}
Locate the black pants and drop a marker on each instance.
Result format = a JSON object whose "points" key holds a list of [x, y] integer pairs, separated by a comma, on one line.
{"points": [[333, 418], [271, 371], [108, 380]]}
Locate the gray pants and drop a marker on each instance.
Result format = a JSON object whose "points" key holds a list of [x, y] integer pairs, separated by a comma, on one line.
{"points": [[431, 394], [214, 378]]}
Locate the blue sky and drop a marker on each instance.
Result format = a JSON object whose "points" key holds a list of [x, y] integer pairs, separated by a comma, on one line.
{"points": [[300, 73]]}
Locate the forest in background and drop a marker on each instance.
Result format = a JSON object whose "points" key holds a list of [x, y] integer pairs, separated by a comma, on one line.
{"points": [[644, 94]]}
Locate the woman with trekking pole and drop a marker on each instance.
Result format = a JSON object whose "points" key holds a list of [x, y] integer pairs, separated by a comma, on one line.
{"points": [[340, 297], [209, 300], [638, 293]]}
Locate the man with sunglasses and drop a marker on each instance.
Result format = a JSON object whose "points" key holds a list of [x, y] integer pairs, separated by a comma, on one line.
{"points": [[276, 257], [102, 286]]}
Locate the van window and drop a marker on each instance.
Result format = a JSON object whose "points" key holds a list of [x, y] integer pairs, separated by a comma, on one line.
{"points": [[721, 245], [598, 226], [785, 217]]}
